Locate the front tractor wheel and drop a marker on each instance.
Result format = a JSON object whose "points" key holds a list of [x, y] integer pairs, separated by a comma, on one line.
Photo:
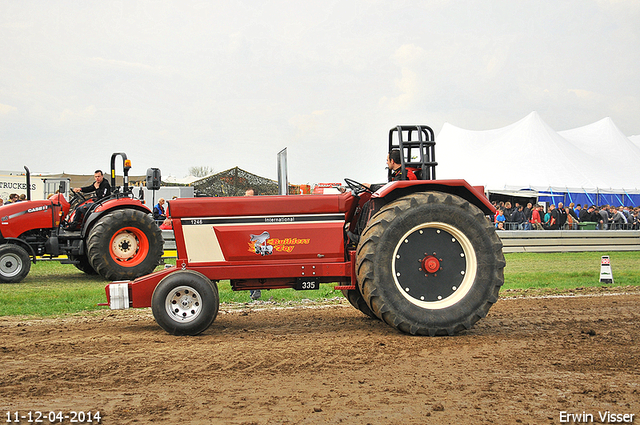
{"points": [[430, 264], [185, 303], [125, 244], [14, 263]]}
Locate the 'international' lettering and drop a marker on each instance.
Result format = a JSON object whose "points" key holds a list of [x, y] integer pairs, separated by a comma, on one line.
{"points": [[279, 219]]}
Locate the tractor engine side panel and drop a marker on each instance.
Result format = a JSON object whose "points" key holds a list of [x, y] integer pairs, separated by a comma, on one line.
{"points": [[229, 235], [256, 240], [15, 219]]}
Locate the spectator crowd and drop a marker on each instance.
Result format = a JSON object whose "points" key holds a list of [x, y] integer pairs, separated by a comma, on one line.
{"points": [[560, 217], [13, 198], [516, 217]]}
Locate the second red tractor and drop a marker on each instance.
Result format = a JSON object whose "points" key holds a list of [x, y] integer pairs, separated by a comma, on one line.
{"points": [[117, 238]]}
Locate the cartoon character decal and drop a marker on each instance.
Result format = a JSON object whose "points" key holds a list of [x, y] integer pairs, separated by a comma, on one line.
{"points": [[260, 244], [264, 244]]}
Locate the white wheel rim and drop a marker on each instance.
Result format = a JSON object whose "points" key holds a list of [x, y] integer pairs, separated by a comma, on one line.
{"points": [[125, 245]]}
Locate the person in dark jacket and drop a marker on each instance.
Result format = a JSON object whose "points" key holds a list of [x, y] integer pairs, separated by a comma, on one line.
{"points": [[102, 189], [101, 186], [508, 211], [158, 211], [562, 215], [586, 214], [519, 218], [394, 164], [528, 210], [575, 212], [555, 217]]}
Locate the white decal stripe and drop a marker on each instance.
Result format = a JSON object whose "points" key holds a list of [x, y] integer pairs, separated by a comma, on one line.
{"points": [[202, 243]]}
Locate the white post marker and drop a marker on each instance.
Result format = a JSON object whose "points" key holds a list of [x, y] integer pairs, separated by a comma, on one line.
{"points": [[606, 276]]}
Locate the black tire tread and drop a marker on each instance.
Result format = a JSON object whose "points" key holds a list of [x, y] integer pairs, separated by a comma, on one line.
{"points": [[84, 265], [356, 299], [366, 253], [111, 222], [210, 300]]}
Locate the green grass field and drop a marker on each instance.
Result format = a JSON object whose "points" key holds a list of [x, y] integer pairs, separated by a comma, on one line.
{"points": [[53, 289]]}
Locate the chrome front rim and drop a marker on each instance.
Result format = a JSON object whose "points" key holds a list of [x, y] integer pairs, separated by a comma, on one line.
{"points": [[183, 304]]}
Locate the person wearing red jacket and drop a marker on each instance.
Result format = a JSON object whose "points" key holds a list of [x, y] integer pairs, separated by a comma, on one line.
{"points": [[395, 165], [536, 222]]}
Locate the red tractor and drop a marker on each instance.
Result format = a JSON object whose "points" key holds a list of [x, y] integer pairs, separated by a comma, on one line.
{"points": [[117, 238], [421, 255]]}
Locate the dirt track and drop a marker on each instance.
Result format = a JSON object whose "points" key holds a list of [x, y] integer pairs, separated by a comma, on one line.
{"points": [[529, 360]]}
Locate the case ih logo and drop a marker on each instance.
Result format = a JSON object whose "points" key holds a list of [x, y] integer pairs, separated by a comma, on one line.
{"points": [[30, 210], [44, 207], [264, 244]]}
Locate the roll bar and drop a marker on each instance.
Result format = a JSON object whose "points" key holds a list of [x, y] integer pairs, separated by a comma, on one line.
{"points": [[126, 165]]}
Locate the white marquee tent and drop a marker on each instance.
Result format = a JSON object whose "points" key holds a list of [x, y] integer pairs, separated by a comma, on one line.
{"points": [[594, 164], [608, 147]]}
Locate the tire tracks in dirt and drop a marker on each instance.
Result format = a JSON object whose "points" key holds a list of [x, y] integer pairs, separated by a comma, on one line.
{"points": [[525, 362]]}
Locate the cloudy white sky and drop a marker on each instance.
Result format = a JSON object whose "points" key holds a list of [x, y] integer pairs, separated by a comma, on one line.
{"points": [[177, 84]]}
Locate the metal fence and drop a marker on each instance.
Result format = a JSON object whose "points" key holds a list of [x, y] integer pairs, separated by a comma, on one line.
{"points": [[509, 225], [569, 241]]}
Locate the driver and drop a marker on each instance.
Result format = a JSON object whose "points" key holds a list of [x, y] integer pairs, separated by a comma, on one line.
{"points": [[101, 187], [394, 164]]}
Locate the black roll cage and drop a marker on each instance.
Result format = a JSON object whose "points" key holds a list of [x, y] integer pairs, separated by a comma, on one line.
{"points": [[416, 144]]}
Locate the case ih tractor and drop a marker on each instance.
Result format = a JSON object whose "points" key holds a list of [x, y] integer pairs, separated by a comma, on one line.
{"points": [[420, 255], [117, 239]]}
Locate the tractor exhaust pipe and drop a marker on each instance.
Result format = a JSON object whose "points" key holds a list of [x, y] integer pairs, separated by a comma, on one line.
{"points": [[283, 179], [28, 183]]}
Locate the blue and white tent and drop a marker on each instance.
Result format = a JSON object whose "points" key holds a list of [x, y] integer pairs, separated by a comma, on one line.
{"points": [[594, 164]]}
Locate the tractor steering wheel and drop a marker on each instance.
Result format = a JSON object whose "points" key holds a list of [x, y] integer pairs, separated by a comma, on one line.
{"points": [[357, 187], [77, 198]]}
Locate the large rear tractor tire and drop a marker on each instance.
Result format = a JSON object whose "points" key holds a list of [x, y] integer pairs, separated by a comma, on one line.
{"points": [[83, 264], [125, 244], [14, 263], [430, 263], [185, 303]]}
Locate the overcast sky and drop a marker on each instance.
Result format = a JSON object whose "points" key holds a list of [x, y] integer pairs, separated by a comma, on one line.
{"points": [[177, 84]]}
